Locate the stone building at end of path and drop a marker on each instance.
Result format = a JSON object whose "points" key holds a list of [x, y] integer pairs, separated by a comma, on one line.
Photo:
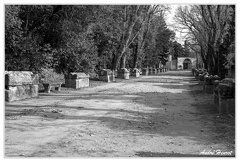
{"points": [[181, 63]]}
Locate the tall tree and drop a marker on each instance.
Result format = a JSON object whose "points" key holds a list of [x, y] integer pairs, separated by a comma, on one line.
{"points": [[205, 25]]}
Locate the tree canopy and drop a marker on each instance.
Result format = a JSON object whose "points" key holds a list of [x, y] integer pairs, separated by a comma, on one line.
{"points": [[212, 28], [73, 38]]}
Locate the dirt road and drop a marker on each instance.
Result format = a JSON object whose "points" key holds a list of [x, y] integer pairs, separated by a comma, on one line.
{"points": [[152, 116]]}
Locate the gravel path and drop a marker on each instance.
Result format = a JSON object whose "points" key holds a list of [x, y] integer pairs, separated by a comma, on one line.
{"points": [[152, 116]]}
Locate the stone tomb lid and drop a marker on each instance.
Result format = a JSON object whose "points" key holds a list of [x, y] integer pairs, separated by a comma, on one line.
{"points": [[18, 78], [105, 72], [76, 75]]}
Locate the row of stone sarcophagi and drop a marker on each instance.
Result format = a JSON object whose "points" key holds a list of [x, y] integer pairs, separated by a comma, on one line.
{"points": [[124, 73], [223, 90]]}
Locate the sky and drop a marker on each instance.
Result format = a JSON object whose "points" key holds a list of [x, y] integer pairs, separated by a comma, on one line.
{"points": [[170, 22]]}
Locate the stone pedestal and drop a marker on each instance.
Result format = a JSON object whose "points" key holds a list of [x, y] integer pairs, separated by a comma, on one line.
{"points": [[76, 80], [106, 75], [20, 85], [123, 73], [145, 71], [135, 73], [161, 70]]}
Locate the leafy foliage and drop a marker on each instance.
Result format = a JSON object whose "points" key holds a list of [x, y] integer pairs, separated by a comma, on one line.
{"points": [[176, 50], [84, 38]]}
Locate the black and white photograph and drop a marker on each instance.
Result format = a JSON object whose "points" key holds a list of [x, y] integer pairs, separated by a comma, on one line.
{"points": [[139, 80]]}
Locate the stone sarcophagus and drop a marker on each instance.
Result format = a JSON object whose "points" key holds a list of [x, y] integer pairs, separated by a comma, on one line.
{"points": [[106, 75], [123, 73], [150, 71], [154, 71], [224, 95], [20, 85], [135, 72], [76, 80], [145, 71]]}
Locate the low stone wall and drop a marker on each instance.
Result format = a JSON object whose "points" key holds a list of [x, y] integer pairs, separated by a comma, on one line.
{"points": [[76, 80], [20, 85], [224, 96]]}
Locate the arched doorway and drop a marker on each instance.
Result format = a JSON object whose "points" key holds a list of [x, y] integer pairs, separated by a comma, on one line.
{"points": [[187, 64]]}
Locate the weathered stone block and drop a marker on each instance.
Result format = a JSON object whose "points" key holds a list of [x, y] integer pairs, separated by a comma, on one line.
{"points": [[13, 78], [135, 72], [123, 73], [208, 88], [76, 80], [208, 80], [106, 75], [225, 90], [201, 76], [150, 71], [145, 71], [154, 71], [226, 106], [77, 83], [20, 92], [224, 95]]}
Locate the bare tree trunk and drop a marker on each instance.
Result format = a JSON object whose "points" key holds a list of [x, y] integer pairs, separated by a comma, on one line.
{"points": [[123, 61], [135, 55]]}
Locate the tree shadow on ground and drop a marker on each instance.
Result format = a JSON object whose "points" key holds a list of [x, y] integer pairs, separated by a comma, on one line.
{"points": [[157, 154], [154, 119]]}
